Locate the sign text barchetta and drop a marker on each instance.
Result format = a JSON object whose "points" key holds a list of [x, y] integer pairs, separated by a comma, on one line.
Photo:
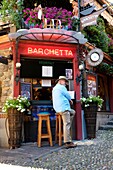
{"points": [[49, 51]]}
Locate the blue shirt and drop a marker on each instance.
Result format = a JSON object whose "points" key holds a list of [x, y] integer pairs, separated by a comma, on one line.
{"points": [[61, 98]]}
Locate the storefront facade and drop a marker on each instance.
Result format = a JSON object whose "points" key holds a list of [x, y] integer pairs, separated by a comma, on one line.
{"points": [[44, 55]]}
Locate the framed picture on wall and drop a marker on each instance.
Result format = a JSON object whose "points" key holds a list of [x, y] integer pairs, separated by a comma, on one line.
{"points": [[69, 73], [47, 71], [26, 90], [92, 84]]}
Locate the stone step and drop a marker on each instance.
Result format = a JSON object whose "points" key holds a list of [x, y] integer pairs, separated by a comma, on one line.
{"points": [[106, 127], [110, 122]]}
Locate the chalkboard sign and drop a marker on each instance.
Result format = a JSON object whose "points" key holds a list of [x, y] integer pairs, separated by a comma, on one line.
{"points": [[26, 90]]}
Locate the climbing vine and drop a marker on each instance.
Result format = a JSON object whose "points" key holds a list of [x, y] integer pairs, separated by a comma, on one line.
{"points": [[105, 68]]}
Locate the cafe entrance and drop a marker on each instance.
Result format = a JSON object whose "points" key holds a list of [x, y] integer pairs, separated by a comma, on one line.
{"points": [[44, 55], [37, 81]]}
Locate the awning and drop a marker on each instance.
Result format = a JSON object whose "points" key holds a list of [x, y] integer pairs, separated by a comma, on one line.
{"points": [[48, 34]]}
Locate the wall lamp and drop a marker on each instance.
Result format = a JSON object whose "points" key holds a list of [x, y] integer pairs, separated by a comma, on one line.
{"points": [[17, 76], [18, 65], [80, 77], [71, 1]]}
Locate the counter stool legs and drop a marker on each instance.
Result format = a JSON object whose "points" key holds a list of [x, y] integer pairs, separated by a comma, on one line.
{"points": [[59, 133], [39, 131], [40, 135], [49, 131]]}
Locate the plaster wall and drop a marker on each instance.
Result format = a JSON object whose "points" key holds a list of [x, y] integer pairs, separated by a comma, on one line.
{"points": [[3, 134]]}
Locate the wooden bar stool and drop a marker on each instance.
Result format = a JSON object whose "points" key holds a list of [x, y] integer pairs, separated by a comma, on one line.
{"points": [[59, 129], [43, 116]]}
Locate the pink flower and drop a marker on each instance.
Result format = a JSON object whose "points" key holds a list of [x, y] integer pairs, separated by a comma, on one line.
{"points": [[31, 16]]}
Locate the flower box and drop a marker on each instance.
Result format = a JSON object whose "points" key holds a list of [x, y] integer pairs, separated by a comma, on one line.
{"points": [[86, 102], [15, 107], [20, 103], [90, 106], [52, 17], [90, 114]]}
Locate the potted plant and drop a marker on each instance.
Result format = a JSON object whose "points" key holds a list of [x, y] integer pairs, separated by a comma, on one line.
{"points": [[19, 103], [97, 100], [90, 107], [15, 107]]}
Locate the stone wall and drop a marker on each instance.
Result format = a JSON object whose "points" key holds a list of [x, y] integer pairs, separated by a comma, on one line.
{"points": [[6, 82], [103, 118], [6, 90]]}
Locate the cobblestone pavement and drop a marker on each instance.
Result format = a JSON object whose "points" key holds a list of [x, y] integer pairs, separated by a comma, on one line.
{"points": [[95, 154]]}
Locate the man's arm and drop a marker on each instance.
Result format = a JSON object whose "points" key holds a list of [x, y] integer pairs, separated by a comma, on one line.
{"points": [[66, 94]]}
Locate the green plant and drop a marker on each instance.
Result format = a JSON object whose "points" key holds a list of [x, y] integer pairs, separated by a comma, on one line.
{"points": [[92, 99], [96, 34], [75, 24], [20, 103], [11, 11], [105, 68]]}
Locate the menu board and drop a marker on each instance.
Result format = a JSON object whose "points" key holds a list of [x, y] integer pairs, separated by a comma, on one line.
{"points": [[92, 85], [26, 90]]}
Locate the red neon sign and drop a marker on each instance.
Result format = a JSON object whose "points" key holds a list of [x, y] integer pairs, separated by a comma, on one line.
{"points": [[46, 50]]}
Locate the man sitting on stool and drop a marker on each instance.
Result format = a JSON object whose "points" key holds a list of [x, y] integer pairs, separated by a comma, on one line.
{"points": [[61, 104]]}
